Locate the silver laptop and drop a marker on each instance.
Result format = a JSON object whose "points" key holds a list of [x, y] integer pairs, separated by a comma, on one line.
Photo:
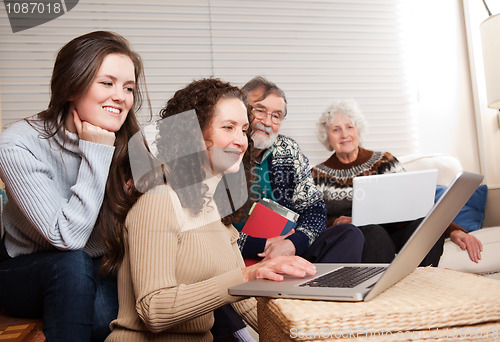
{"points": [[384, 276], [393, 197]]}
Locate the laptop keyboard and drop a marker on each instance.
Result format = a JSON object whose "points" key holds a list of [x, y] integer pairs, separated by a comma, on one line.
{"points": [[346, 277]]}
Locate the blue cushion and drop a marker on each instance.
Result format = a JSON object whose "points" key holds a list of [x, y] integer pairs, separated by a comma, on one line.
{"points": [[471, 215]]}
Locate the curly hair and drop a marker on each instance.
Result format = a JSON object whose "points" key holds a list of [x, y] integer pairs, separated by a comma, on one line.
{"points": [[347, 107], [201, 96]]}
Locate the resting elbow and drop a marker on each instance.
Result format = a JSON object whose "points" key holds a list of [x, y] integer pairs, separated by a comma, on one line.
{"points": [[67, 246], [155, 329], [155, 321]]}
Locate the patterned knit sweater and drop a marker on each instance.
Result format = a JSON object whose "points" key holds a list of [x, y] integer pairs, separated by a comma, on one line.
{"points": [[177, 269], [334, 179]]}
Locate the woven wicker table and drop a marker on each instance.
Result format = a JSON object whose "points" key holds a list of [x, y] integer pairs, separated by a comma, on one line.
{"points": [[431, 304]]}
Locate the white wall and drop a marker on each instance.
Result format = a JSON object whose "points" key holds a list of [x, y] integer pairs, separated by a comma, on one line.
{"points": [[487, 119], [446, 122]]}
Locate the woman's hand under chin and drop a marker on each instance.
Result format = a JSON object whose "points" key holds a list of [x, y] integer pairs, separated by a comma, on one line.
{"points": [[275, 268], [88, 132]]}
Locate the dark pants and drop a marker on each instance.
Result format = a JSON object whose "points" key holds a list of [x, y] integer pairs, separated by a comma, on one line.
{"points": [[382, 242], [227, 321], [338, 244], [65, 289]]}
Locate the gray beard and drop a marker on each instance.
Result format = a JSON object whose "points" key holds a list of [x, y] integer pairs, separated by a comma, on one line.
{"points": [[261, 143]]}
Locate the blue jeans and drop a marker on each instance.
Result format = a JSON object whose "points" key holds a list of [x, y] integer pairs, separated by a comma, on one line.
{"points": [[65, 289]]}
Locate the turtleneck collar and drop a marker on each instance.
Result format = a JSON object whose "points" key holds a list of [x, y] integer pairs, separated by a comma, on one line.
{"points": [[68, 139]]}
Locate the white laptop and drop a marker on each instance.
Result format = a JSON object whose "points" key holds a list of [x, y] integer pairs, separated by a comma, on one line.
{"points": [[410, 256], [393, 197]]}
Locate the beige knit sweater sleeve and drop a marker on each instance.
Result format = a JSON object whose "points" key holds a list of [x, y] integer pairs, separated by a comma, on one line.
{"points": [[179, 276]]}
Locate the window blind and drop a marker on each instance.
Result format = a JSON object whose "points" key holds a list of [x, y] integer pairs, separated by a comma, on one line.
{"points": [[315, 51]]}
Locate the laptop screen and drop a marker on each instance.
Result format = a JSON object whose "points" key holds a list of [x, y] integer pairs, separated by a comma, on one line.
{"points": [[393, 197]]}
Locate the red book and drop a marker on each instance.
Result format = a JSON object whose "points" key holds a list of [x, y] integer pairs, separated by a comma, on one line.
{"points": [[265, 222]]}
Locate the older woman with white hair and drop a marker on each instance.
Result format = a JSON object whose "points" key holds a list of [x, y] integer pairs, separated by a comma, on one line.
{"points": [[341, 129]]}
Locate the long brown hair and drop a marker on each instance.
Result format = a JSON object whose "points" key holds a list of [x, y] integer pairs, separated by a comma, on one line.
{"points": [[76, 66]]}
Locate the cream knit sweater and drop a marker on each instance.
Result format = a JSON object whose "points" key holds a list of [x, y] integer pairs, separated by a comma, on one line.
{"points": [[175, 272]]}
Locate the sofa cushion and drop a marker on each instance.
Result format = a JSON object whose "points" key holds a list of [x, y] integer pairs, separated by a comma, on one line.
{"points": [[455, 258], [448, 166], [471, 215]]}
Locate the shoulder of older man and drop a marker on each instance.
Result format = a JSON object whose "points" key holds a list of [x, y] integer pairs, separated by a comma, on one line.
{"points": [[284, 145]]}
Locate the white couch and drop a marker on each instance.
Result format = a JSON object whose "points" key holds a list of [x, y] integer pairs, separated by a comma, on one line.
{"points": [[453, 257]]}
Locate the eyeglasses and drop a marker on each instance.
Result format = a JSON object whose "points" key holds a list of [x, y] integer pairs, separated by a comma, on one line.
{"points": [[261, 114]]}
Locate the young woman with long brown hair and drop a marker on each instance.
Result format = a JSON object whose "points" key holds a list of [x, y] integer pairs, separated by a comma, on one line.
{"points": [[60, 167]]}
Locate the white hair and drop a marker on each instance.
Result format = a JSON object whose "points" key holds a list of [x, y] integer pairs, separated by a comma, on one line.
{"points": [[347, 107]]}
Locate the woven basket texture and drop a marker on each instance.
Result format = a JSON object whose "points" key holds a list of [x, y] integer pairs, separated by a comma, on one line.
{"points": [[429, 304]]}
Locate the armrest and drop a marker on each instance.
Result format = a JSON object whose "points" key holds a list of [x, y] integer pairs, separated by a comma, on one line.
{"points": [[448, 166], [492, 212]]}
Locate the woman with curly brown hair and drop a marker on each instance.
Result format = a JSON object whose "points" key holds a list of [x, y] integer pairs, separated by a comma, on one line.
{"points": [[60, 167], [181, 254]]}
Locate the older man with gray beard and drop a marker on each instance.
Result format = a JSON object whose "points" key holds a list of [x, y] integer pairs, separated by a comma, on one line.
{"points": [[282, 173]]}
